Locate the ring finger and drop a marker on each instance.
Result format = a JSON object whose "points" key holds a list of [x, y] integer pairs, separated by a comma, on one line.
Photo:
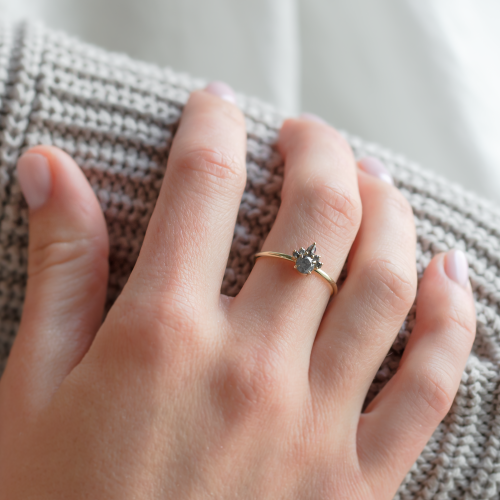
{"points": [[320, 203]]}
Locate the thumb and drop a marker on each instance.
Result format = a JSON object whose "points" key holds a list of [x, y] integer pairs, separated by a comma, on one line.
{"points": [[67, 273]]}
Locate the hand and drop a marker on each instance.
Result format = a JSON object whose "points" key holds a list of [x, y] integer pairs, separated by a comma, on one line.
{"points": [[183, 393]]}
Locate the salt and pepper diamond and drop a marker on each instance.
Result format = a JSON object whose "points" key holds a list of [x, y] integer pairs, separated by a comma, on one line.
{"points": [[306, 261]]}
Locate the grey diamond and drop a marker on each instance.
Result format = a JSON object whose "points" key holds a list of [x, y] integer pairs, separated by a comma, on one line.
{"points": [[304, 265], [311, 249]]}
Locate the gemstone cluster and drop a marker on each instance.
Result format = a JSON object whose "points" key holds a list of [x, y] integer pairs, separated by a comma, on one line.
{"points": [[306, 261]]}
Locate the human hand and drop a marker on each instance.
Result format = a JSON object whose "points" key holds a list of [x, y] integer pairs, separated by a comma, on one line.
{"points": [[183, 393]]}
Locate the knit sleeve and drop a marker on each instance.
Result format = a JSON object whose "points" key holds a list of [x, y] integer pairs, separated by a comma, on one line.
{"points": [[116, 117]]}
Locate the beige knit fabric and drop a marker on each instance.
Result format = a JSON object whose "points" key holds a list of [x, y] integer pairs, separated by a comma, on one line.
{"points": [[117, 117]]}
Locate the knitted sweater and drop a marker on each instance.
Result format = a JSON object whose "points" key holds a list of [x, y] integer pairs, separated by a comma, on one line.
{"points": [[116, 117]]}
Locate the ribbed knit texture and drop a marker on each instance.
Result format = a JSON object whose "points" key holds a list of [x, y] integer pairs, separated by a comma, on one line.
{"points": [[116, 117]]}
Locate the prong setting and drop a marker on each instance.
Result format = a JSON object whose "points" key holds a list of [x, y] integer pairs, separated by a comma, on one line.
{"points": [[306, 261]]}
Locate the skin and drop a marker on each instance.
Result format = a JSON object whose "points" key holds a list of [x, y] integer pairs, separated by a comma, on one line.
{"points": [[186, 394]]}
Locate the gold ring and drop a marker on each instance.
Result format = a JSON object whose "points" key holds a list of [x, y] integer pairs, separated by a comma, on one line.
{"points": [[306, 261]]}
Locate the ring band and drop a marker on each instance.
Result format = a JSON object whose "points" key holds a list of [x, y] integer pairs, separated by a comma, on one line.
{"points": [[305, 261]]}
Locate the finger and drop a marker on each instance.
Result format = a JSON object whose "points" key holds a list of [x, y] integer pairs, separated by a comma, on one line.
{"points": [[67, 273], [361, 324], [190, 233], [400, 420], [320, 203]]}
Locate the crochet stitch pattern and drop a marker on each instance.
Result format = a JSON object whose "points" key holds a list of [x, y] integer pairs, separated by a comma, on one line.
{"points": [[116, 117]]}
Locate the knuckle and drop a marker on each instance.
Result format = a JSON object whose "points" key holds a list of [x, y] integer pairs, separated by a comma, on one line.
{"points": [[391, 284], [463, 323], [257, 381], [177, 318], [434, 393], [213, 109], [457, 321], [214, 165], [59, 253], [307, 135], [232, 114], [336, 208], [397, 202], [158, 335], [341, 143], [251, 384]]}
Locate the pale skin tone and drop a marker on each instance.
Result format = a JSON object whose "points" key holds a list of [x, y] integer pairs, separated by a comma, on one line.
{"points": [[186, 394]]}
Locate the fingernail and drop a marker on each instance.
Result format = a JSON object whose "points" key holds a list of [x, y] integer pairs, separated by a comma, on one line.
{"points": [[313, 118], [33, 172], [456, 267], [372, 166], [222, 90]]}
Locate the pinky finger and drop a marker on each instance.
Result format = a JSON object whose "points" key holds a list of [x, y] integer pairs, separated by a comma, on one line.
{"points": [[398, 423]]}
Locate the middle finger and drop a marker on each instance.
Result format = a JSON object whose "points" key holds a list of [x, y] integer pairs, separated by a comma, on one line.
{"points": [[187, 243]]}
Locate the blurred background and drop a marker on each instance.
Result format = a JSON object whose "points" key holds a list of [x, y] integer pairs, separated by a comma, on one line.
{"points": [[421, 77]]}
